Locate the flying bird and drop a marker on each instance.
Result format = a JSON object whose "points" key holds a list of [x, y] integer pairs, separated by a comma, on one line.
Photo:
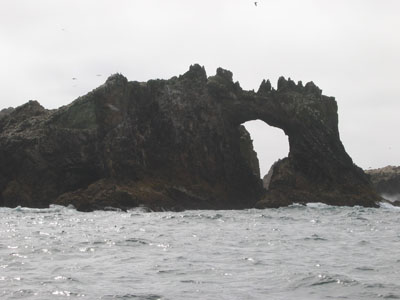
{"points": [[74, 78], [255, 3]]}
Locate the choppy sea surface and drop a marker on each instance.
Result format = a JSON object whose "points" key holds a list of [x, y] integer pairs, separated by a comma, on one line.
{"points": [[298, 252]]}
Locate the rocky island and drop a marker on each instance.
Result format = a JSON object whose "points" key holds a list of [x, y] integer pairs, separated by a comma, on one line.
{"points": [[387, 182], [177, 144]]}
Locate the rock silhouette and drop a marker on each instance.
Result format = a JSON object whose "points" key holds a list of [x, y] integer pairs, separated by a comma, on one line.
{"points": [[176, 144]]}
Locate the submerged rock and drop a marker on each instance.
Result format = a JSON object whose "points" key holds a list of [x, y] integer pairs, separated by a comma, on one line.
{"points": [[176, 144]]}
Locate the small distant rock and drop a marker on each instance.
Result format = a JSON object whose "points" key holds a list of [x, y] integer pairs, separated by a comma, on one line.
{"points": [[386, 181]]}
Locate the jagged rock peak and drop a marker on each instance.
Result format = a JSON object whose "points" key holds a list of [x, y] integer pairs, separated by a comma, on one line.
{"points": [[222, 84], [116, 78], [265, 87], [311, 88], [32, 106], [290, 85], [281, 83], [225, 74], [196, 72]]}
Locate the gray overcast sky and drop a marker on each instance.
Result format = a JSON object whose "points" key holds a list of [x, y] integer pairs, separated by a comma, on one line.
{"points": [[349, 48]]}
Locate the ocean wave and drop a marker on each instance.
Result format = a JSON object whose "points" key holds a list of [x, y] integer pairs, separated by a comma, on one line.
{"points": [[319, 205], [318, 252], [51, 209], [391, 197], [387, 205]]}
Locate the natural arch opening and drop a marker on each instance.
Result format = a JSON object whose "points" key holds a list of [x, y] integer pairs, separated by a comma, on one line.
{"points": [[270, 143]]}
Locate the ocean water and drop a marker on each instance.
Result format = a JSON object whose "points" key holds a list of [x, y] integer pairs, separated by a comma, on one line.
{"points": [[298, 252]]}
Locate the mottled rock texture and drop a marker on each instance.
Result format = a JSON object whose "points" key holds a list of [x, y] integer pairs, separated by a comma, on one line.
{"points": [[176, 144]]}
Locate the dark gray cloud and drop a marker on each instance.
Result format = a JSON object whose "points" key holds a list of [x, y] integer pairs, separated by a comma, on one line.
{"points": [[348, 48]]}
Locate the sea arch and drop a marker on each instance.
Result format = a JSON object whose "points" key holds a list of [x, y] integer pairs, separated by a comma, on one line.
{"points": [[317, 168]]}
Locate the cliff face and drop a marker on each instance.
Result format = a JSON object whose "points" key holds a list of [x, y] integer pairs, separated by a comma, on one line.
{"points": [[176, 144]]}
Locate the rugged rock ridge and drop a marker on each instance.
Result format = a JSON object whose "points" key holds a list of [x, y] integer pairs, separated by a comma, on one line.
{"points": [[176, 144]]}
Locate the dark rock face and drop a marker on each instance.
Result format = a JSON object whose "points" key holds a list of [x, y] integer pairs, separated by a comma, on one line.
{"points": [[387, 182], [176, 144]]}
